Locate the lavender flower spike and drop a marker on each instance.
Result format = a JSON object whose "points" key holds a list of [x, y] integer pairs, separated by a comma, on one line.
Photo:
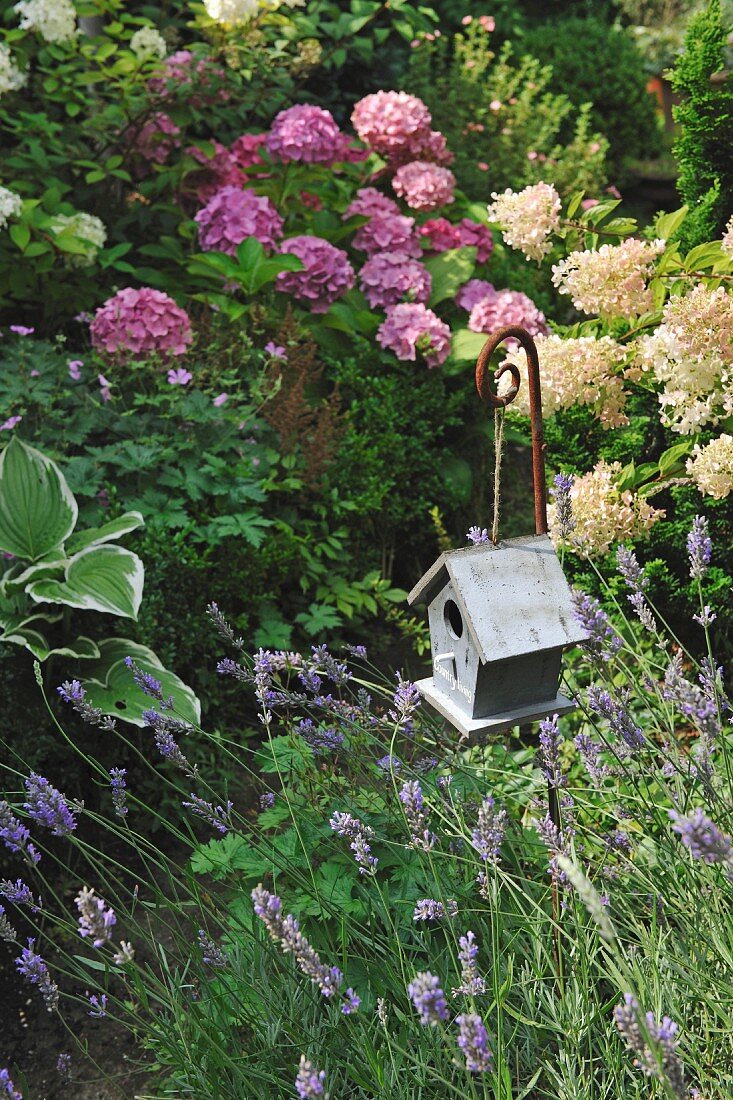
{"points": [[360, 835], [491, 825], [216, 816], [563, 483], [118, 786], [7, 932], [548, 756], [699, 547], [211, 953], [285, 931], [428, 998], [7, 1088], [147, 683], [472, 984], [96, 919], [656, 1051], [474, 1042], [478, 535], [406, 701], [309, 1081], [412, 802], [31, 966], [15, 835], [704, 839], [602, 642], [72, 692], [48, 806]]}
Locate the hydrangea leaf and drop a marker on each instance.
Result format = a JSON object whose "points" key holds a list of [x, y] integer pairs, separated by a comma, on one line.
{"points": [[111, 686], [37, 508], [108, 532], [101, 578], [449, 271], [466, 345]]}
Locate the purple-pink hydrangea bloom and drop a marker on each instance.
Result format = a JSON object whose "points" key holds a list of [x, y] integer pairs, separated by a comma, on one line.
{"points": [[410, 328], [217, 171], [391, 277], [143, 322], [326, 275], [507, 307], [390, 121], [182, 68], [386, 232], [474, 291], [440, 235], [424, 186], [306, 133], [369, 202], [157, 138], [232, 216]]}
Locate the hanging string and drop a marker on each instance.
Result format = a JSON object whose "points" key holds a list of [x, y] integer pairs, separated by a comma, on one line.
{"points": [[498, 448]]}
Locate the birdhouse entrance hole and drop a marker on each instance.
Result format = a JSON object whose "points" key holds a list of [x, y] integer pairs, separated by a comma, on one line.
{"points": [[453, 619]]}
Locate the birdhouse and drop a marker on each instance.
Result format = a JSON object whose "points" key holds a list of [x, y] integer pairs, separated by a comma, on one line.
{"points": [[501, 613], [500, 617]]}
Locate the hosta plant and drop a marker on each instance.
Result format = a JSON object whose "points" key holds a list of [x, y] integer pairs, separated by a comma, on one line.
{"points": [[53, 569]]}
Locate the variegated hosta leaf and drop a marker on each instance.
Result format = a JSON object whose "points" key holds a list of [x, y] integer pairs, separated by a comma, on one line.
{"points": [[101, 578], [108, 532], [37, 508], [111, 687]]}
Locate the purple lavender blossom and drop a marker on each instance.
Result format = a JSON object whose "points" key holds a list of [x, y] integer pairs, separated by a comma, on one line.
{"points": [[98, 1006], [478, 535], [548, 755], [655, 1045], [309, 1080], [637, 581], [359, 651], [428, 998], [218, 817], [701, 706], [228, 667], [428, 909], [474, 1042], [360, 835], [602, 643], [15, 835], [406, 700], [706, 617], [96, 919], [335, 670], [590, 754], [118, 786], [703, 838], [321, 739], [63, 1067], [7, 1088], [699, 547], [412, 802], [19, 894], [164, 727], [390, 764], [7, 932], [629, 736], [285, 931], [488, 835], [425, 764], [48, 806], [310, 680], [267, 800], [562, 484], [147, 683], [72, 692], [32, 967], [211, 953], [351, 1002], [223, 628], [472, 984]]}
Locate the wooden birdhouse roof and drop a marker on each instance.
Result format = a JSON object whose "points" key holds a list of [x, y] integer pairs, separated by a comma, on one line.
{"points": [[514, 596]]}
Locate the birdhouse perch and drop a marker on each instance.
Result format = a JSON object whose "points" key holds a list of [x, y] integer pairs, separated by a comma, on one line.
{"points": [[500, 615]]}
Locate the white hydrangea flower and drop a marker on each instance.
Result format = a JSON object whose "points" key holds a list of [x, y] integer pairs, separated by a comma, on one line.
{"points": [[54, 20], [602, 513], [231, 11], [10, 206], [610, 281], [148, 42], [711, 467], [580, 371], [727, 242], [691, 354], [527, 218], [87, 228], [11, 77]]}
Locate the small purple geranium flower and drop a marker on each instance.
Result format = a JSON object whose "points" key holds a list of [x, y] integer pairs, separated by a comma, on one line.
{"points": [[179, 377], [10, 423], [221, 400], [276, 351]]}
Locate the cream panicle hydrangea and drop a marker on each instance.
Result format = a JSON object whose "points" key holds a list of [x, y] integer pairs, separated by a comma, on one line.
{"points": [[580, 371], [611, 281], [87, 229], [727, 242], [527, 218], [54, 20], [10, 205], [148, 42], [603, 514], [231, 11], [11, 77], [691, 354], [711, 467]]}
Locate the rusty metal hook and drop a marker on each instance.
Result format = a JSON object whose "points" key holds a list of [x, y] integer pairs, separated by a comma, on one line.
{"points": [[535, 405]]}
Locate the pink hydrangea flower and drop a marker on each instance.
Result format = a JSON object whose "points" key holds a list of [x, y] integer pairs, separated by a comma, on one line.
{"points": [[232, 215], [410, 328], [157, 138], [306, 133], [245, 150], [507, 307], [369, 202], [389, 121], [474, 291], [391, 277], [141, 322], [478, 236], [181, 70], [217, 172], [441, 235], [424, 186], [326, 275], [388, 233]]}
